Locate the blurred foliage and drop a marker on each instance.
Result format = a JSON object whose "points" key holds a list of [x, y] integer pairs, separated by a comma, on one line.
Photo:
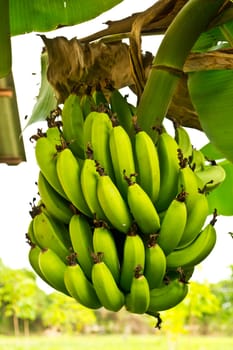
{"points": [[207, 309]]}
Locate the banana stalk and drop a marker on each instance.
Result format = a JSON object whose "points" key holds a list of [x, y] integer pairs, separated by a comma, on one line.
{"points": [[167, 66]]}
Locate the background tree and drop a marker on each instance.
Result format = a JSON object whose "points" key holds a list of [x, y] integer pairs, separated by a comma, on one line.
{"points": [[64, 314], [19, 295], [223, 291]]}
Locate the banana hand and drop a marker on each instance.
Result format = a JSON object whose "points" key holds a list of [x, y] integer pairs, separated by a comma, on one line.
{"points": [[197, 251]]}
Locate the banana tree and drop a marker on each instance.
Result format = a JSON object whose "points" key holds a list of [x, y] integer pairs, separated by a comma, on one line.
{"points": [[189, 79]]}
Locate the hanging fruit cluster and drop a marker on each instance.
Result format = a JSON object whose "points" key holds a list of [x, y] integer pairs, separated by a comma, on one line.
{"points": [[121, 220]]}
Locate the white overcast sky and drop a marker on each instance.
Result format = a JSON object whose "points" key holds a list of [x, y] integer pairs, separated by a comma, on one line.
{"points": [[17, 185]]}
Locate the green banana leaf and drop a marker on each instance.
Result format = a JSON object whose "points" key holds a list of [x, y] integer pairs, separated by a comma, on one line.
{"points": [[25, 16], [211, 93], [42, 16], [209, 40], [211, 152], [46, 100], [218, 37]]}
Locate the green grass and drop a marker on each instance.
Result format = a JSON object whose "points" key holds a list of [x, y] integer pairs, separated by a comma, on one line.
{"points": [[114, 342]]}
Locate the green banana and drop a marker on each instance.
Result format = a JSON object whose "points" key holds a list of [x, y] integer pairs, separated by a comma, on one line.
{"points": [[57, 206], [110, 296], [87, 128], [112, 203], [122, 157], [78, 285], [87, 104], [211, 176], [81, 239], [133, 255], [197, 160], [54, 132], [183, 273], [103, 241], [183, 140], [99, 97], [33, 257], [97, 129], [196, 202], [173, 224], [196, 251], [72, 121], [50, 233], [155, 263], [187, 182], [167, 296], [30, 234], [138, 299], [89, 177], [196, 217], [147, 164], [121, 108], [46, 157], [169, 168], [69, 170], [142, 208], [53, 269]]}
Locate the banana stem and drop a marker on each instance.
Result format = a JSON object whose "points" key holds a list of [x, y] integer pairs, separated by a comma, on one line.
{"points": [[167, 66]]}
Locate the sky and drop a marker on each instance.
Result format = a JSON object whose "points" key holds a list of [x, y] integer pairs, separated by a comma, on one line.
{"points": [[17, 185]]}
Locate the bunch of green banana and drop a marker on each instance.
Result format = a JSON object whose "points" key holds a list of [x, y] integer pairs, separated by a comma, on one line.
{"points": [[120, 221]]}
